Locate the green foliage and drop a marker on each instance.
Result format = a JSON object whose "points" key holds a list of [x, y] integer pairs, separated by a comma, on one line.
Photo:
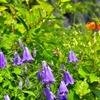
{"points": [[34, 22]]}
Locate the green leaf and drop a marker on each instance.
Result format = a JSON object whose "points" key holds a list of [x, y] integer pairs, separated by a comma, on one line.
{"points": [[81, 88], [46, 6], [1, 79], [70, 95], [16, 70], [3, 1], [94, 78], [97, 93], [23, 22], [82, 72], [30, 93], [2, 8], [65, 0]]}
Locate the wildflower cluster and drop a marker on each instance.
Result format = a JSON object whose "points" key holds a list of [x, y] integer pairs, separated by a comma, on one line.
{"points": [[45, 75]]}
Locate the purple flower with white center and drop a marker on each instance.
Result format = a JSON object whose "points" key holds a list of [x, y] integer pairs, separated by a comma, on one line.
{"points": [[47, 76], [17, 60], [68, 78], [2, 60], [20, 43], [27, 55], [62, 91], [6, 97], [20, 84], [34, 52], [49, 94], [72, 57]]}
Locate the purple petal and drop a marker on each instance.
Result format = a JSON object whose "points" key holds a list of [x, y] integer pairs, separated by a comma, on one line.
{"points": [[47, 76], [17, 59], [62, 88], [49, 94], [2, 60], [72, 57], [27, 55], [68, 78], [6, 97]]}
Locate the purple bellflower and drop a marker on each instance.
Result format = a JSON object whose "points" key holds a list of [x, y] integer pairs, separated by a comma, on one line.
{"points": [[27, 55], [2, 60], [6, 97], [47, 76], [17, 60], [68, 78], [72, 57], [62, 91], [49, 94]]}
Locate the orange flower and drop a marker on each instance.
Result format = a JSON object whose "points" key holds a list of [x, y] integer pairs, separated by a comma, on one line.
{"points": [[98, 26], [91, 25]]}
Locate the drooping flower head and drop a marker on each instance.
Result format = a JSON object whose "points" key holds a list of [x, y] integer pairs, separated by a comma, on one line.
{"points": [[68, 78], [72, 57], [27, 57], [17, 60], [62, 91], [6, 97], [49, 94], [47, 76], [2, 60]]}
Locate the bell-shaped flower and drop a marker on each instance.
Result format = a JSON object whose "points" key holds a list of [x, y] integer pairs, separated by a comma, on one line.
{"points": [[17, 60], [47, 76], [2, 60], [62, 88], [49, 94], [6, 97], [62, 91], [72, 57], [68, 78], [27, 55]]}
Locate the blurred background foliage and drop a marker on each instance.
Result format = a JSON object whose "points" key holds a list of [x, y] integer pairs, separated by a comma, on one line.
{"points": [[53, 27]]}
